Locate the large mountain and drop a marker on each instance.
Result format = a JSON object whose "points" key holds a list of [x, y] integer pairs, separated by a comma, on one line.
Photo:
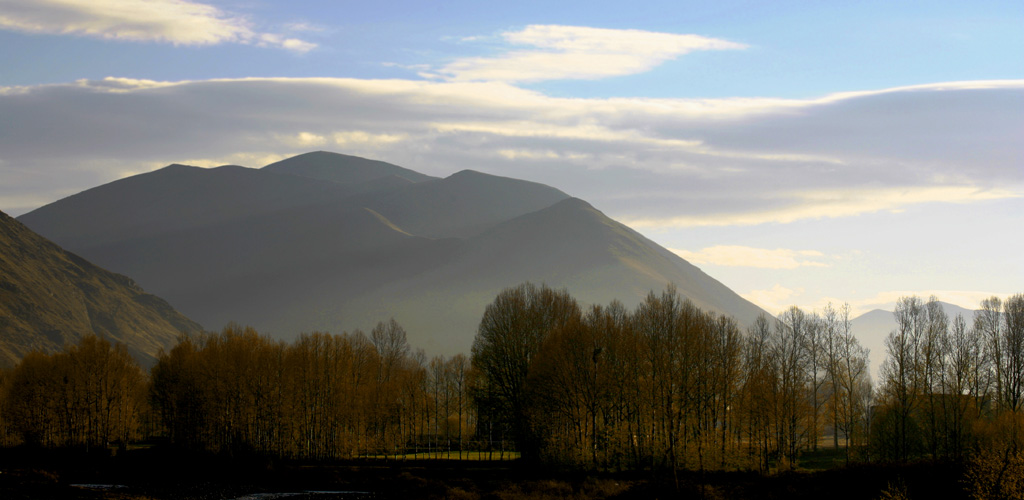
{"points": [[50, 297], [330, 242]]}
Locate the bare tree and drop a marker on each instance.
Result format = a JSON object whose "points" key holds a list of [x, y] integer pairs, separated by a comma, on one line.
{"points": [[790, 359], [758, 389], [814, 345], [1013, 345], [932, 359], [902, 376], [849, 386], [988, 325], [961, 350], [511, 332], [458, 368]]}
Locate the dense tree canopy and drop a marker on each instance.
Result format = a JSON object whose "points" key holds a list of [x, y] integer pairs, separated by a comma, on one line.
{"points": [[91, 395], [511, 333], [664, 386]]}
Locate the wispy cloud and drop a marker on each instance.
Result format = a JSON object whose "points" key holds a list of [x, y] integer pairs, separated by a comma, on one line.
{"points": [[180, 22], [775, 299], [742, 256], [575, 52], [303, 26], [350, 140], [834, 203], [652, 163]]}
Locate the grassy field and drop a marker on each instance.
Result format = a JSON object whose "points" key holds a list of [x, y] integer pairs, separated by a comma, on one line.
{"points": [[453, 455]]}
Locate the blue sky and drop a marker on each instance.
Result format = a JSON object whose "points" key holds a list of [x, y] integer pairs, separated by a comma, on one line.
{"points": [[796, 49], [800, 152]]}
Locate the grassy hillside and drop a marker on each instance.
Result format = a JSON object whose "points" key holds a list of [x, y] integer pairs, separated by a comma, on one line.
{"points": [[50, 297]]}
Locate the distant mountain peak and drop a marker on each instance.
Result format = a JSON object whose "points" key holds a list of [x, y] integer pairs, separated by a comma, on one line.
{"points": [[177, 168], [469, 173], [575, 203], [341, 169]]}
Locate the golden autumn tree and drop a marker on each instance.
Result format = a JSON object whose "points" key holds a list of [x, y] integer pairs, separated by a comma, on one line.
{"points": [[89, 395], [510, 335]]}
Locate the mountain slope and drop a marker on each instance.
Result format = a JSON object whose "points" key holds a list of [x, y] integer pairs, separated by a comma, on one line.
{"points": [[463, 204], [569, 244], [174, 198], [50, 297], [252, 270], [573, 242]]}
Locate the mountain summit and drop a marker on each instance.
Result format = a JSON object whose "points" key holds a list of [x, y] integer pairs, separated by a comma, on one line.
{"points": [[331, 242], [342, 169]]}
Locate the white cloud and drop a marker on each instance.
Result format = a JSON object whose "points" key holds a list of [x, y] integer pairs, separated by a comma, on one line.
{"points": [[292, 44], [774, 300], [303, 26], [742, 256], [358, 138], [180, 22], [585, 132], [576, 52], [833, 204], [539, 154], [303, 140], [652, 163]]}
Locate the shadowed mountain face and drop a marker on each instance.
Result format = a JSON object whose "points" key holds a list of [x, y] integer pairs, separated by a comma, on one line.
{"points": [[174, 198], [463, 204], [50, 297], [332, 242]]}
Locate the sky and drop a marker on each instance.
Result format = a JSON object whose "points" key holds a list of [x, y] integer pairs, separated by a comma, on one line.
{"points": [[800, 152]]}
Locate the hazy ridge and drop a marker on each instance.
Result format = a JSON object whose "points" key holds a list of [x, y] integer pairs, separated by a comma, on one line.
{"points": [[330, 242]]}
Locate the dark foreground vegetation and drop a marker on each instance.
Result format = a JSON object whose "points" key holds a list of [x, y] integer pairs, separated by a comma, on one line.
{"points": [[665, 400], [162, 473]]}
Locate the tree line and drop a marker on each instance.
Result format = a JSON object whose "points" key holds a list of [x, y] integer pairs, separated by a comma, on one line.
{"points": [[662, 386], [89, 395], [666, 385], [950, 388], [240, 393], [321, 397]]}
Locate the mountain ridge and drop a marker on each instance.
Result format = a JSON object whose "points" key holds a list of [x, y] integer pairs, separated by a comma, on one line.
{"points": [[195, 195], [335, 251], [342, 169]]}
